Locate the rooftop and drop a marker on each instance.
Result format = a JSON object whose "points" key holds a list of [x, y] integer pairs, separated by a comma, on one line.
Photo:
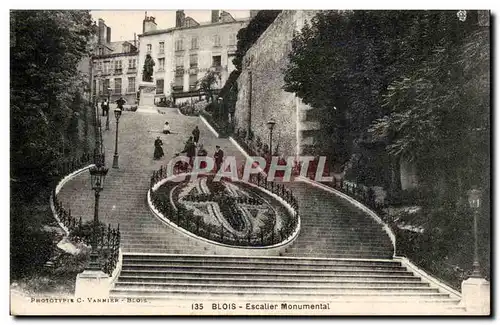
{"points": [[201, 25]]}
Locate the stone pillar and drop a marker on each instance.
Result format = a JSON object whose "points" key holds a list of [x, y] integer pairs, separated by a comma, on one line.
{"points": [[476, 296], [147, 97], [92, 283]]}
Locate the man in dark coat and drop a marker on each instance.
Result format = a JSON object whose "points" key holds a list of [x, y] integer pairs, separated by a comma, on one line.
{"points": [[120, 102], [196, 135], [190, 150], [218, 158]]}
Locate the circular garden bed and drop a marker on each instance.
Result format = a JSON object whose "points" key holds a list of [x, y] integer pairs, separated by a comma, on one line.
{"points": [[232, 213]]}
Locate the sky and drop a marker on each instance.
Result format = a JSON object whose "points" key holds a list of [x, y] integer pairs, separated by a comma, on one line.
{"points": [[124, 23]]}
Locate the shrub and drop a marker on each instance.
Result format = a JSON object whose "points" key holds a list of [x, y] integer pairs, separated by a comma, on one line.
{"points": [[85, 231]]}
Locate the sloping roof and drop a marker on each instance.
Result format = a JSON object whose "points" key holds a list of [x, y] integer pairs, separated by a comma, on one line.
{"points": [[116, 47]]}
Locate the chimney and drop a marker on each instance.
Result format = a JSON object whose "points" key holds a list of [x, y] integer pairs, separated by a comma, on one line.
{"points": [[215, 16], [108, 35], [135, 40], [226, 17], [101, 32], [148, 24], [179, 18], [253, 13]]}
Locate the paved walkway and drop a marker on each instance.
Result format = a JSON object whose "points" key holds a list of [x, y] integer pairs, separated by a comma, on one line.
{"points": [[123, 199]]}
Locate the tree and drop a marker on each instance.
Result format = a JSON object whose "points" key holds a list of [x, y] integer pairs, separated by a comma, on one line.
{"points": [[46, 99], [208, 83], [438, 116], [46, 49], [248, 35], [358, 67]]}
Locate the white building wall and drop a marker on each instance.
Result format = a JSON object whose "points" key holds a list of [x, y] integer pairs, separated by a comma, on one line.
{"points": [[155, 40]]}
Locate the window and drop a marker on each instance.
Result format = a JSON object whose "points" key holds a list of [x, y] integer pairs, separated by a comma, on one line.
{"points": [[216, 61], [194, 43], [178, 45], [101, 51], [99, 66], [118, 85], [131, 85], [162, 47], [193, 61], [192, 81], [159, 86], [131, 63], [148, 48], [118, 66], [161, 64], [216, 40], [125, 48], [106, 67], [232, 39], [179, 62], [105, 86], [179, 83]]}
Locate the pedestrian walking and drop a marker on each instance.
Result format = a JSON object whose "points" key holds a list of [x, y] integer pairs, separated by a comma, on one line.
{"points": [[196, 135], [120, 102], [218, 158], [190, 150], [158, 153], [105, 107]]}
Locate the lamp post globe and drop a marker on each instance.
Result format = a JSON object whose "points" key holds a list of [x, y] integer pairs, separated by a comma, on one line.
{"points": [[270, 125], [118, 113], [474, 198]]}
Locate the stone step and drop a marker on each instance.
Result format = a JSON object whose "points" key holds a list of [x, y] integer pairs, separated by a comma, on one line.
{"points": [[373, 295], [281, 288], [288, 252], [259, 260], [343, 249], [270, 282], [154, 264], [261, 270], [145, 274]]}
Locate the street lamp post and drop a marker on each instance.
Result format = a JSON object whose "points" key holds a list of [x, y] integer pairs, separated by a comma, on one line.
{"points": [[270, 126], [107, 115], [97, 175], [118, 113], [475, 203]]}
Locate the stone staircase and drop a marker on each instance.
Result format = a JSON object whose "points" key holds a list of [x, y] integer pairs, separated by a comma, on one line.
{"points": [[283, 279], [332, 227]]}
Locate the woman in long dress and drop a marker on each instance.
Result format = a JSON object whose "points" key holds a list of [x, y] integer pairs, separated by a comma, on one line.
{"points": [[158, 149]]}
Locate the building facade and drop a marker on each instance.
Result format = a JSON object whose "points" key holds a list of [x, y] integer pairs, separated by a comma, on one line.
{"points": [[187, 52], [114, 67]]}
